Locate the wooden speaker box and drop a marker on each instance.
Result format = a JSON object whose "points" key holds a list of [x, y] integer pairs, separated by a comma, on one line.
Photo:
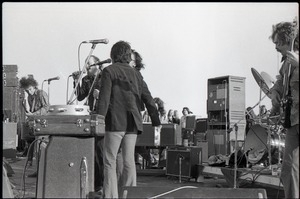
{"points": [[66, 167], [170, 135]]}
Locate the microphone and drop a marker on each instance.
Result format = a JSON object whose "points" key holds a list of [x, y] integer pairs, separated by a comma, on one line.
{"points": [[102, 62], [97, 41], [53, 78]]}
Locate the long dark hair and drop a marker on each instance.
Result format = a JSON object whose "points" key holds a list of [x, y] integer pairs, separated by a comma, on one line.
{"points": [[138, 61], [161, 105]]}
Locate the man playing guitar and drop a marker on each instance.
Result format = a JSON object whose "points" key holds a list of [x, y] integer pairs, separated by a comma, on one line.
{"points": [[285, 99]]}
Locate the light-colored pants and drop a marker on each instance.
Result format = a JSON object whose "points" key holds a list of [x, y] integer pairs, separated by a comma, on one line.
{"points": [[290, 165], [112, 143]]}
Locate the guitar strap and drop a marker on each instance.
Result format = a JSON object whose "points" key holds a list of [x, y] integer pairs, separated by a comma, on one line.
{"points": [[287, 93]]}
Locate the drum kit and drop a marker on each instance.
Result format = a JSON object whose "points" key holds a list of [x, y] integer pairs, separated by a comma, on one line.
{"points": [[265, 140]]}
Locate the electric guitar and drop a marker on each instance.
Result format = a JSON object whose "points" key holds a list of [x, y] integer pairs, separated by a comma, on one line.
{"points": [[286, 101]]}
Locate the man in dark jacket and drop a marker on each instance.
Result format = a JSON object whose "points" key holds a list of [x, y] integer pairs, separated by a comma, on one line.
{"points": [[122, 93]]}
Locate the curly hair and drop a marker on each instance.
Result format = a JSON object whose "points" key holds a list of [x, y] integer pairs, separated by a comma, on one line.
{"points": [[138, 61], [121, 52], [161, 106], [286, 32], [25, 82]]}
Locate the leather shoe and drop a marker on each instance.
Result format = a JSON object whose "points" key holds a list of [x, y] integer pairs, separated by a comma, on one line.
{"points": [[33, 175]]}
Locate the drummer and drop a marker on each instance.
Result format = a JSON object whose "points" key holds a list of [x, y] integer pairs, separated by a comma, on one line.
{"points": [[263, 112], [250, 118]]}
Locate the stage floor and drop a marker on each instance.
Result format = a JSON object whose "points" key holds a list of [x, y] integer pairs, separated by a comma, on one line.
{"points": [[145, 178]]}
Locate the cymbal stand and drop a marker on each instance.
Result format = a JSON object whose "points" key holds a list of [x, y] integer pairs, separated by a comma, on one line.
{"points": [[260, 92], [235, 143], [81, 74], [269, 142]]}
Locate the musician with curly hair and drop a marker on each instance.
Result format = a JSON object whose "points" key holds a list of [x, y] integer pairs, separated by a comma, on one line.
{"points": [[38, 105], [285, 99]]}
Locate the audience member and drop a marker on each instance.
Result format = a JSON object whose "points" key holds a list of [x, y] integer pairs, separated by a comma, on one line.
{"points": [[185, 111], [170, 116], [176, 118], [161, 110]]}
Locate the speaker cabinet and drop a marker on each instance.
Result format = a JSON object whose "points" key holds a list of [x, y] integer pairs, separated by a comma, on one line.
{"points": [[9, 139], [201, 125], [170, 135], [190, 157], [66, 167], [190, 192], [10, 103], [217, 142]]}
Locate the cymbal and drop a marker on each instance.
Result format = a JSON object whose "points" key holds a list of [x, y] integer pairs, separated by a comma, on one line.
{"points": [[268, 79], [261, 82]]}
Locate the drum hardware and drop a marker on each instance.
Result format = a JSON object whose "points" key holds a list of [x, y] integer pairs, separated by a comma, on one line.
{"points": [[264, 82], [257, 140], [269, 143]]}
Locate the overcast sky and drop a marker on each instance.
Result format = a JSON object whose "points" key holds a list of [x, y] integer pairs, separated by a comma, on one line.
{"points": [[182, 44]]}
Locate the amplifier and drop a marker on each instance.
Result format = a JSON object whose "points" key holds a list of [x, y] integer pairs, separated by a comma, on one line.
{"points": [[10, 79], [190, 158], [201, 125], [10, 103], [170, 135], [9, 68], [9, 139], [66, 167]]}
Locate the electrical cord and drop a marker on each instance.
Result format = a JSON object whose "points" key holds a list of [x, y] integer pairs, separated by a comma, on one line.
{"points": [[162, 194], [25, 167]]}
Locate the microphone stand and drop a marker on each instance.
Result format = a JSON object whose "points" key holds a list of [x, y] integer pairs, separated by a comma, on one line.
{"points": [[269, 142], [48, 97], [81, 74], [235, 153], [235, 156], [48, 91], [235, 143]]}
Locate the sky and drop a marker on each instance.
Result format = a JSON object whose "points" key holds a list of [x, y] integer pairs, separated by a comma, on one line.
{"points": [[182, 44]]}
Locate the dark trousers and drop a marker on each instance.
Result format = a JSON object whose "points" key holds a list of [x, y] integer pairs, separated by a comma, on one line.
{"points": [[99, 162]]}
